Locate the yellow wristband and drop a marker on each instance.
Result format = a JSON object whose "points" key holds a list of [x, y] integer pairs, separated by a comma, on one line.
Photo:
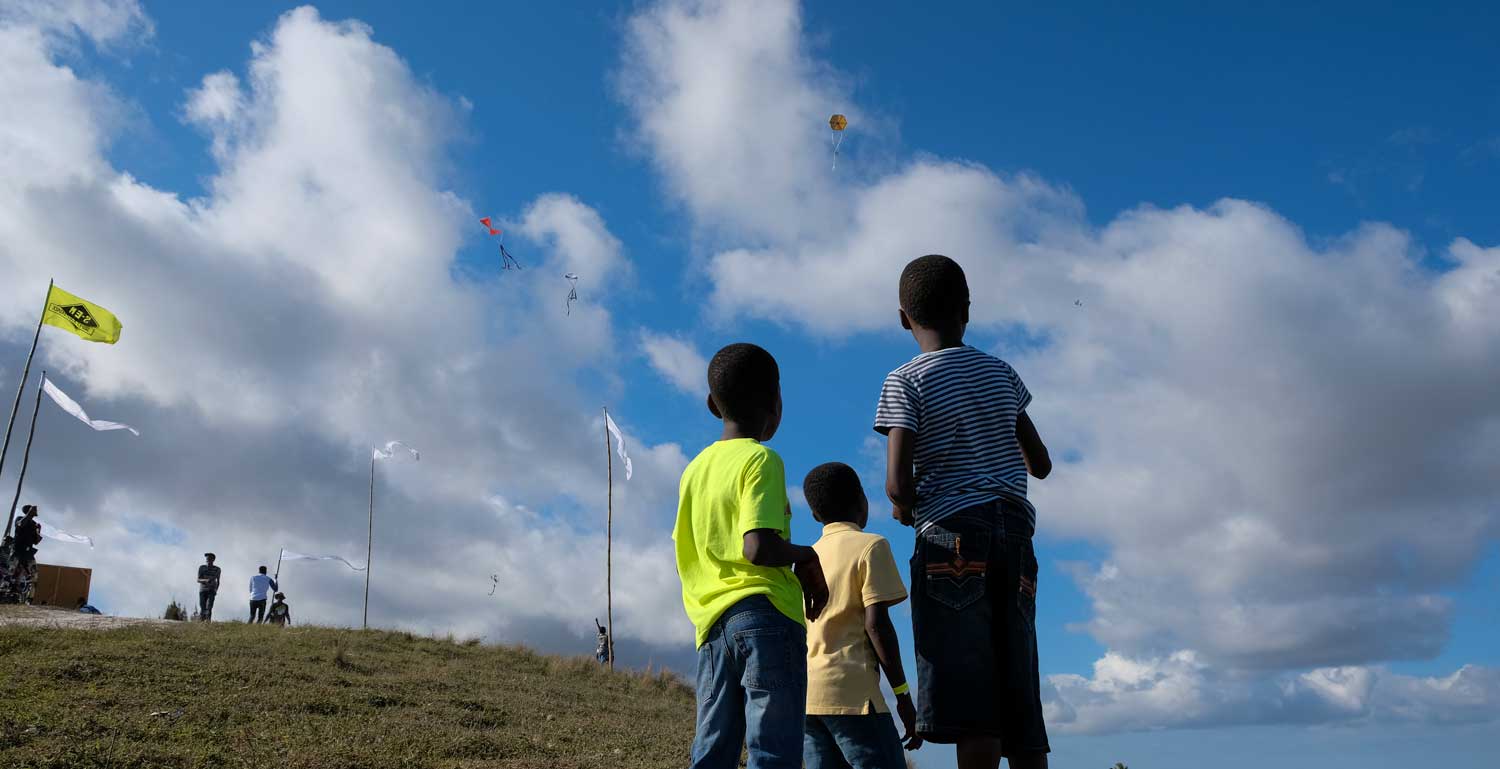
{"points": [[902, 689]]}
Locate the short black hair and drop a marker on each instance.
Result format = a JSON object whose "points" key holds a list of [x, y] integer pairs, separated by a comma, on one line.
{"points": [[934, 291], [832, 490], [743, 379], [262, 570]]}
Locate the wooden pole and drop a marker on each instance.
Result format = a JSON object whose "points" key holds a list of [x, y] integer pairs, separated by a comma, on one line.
{"points": [[370, 543], [20, 388], [26, 456], [278, 568], [609, 540]]}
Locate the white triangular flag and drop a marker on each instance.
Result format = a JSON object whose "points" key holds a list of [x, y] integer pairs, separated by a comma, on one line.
{"points": [[71, 406], [50, 532], [288, 555], [609, 424], [390, 449]]}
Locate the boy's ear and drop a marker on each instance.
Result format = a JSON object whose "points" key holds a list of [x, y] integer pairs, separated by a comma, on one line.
{"points": [[905, 321], [713, 408], [966, 313]]}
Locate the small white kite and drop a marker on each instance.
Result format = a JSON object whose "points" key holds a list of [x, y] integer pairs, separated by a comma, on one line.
{"points": [[572, 279]]}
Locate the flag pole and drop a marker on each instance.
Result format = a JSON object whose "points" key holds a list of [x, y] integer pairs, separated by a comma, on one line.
{"points": [[609, 541], [370, 543], [278, 565], [20, 388], [26, 456]]}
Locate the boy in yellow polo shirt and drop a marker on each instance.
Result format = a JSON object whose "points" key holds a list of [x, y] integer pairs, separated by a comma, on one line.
{"points": [[739, 586], [848, 724]]}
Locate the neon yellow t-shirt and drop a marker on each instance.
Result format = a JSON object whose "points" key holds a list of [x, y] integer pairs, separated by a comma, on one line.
{"points": [[730, 488]]}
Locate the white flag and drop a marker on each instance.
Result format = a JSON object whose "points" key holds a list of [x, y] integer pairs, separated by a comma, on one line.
{"points": [[390, 450], [609, 424], [71, 406], [58, 535], [287, 555]]}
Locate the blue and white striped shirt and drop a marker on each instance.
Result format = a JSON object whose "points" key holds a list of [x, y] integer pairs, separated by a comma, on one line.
{"points": [[962, 404]]}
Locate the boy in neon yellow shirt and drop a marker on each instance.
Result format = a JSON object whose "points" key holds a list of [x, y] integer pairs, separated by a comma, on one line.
{"points": [[739, 586]]}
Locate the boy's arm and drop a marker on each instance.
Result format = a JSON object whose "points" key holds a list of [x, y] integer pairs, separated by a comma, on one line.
{"points": [[765, 547], [888, 650], [900, 487], [1038, 462]]}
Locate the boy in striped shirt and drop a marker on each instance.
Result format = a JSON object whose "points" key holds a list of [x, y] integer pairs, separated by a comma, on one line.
{"points": [[959, 447]]}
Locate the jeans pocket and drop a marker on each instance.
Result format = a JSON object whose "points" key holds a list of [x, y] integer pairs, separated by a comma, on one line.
{"points": [[708, 671], [1029, 568], [956, 565], [770, 656]]}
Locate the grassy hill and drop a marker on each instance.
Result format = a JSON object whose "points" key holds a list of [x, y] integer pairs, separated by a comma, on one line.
{"points": [[234, 695]]}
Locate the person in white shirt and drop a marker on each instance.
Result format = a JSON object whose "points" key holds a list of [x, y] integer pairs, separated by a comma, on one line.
{"points": [[261, 586]]}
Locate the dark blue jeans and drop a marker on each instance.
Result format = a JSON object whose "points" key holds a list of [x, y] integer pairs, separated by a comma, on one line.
{"points": [[752, 689], [852, 742], [974, 630]]}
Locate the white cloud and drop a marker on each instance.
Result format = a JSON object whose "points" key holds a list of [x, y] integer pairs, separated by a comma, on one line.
{"points": [[303, 309], [581, 243], [1292, 439], [678, 362], [1181, 691]]}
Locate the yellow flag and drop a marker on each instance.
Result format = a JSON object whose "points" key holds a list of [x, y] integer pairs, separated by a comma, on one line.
{"points": [[80, 316]]}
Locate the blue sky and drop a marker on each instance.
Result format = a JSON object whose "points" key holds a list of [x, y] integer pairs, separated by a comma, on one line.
{"points": [[1356, 136]]}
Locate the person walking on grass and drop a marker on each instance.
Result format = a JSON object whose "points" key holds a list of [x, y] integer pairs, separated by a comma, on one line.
{"points": [[261, 586], [958, 450], [208, 587], [280, 614], [848, 724], [747, 589]]}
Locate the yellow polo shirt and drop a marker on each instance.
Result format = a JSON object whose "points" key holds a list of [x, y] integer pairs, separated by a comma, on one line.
{"points": [[843, 673], [732, 487]]}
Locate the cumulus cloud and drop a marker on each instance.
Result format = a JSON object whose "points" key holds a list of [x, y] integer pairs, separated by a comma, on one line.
{"points": [[580, 241], [678, 362], [1180, 690], [1291, 439], [310, 304]]}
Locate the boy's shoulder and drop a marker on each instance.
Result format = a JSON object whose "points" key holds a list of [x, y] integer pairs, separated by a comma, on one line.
{"points": [[738, 453], [850, 541], [955, 361]]}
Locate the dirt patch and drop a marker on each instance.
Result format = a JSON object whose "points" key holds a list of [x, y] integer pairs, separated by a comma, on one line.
{"points": [[47, 616]]}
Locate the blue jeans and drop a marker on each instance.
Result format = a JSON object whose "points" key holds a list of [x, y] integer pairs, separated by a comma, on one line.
{"points": [[852, 742], [752, 689]]}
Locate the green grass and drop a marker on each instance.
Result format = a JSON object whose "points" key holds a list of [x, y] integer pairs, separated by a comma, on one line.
{"points": [[258, 696]]}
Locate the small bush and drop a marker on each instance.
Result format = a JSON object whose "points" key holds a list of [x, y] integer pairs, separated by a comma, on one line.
{"points": [[175, 611]]}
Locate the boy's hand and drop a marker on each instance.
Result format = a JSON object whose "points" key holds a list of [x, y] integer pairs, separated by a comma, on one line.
{"points": [[907, 712], [1028, 588], [901, 515], [814, 586]]}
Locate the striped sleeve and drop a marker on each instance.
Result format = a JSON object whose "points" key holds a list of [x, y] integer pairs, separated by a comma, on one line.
{"points": [[899, 405], [1023, 395]]}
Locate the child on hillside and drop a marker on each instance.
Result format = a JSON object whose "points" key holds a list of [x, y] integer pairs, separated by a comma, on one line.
{"points": [[959, 447], [848, 724], [745, 586], [280, 614]]}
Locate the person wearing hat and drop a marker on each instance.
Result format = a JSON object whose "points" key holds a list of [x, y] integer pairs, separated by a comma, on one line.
{"points": [[28, 536], [208, 587], [280, 614]]}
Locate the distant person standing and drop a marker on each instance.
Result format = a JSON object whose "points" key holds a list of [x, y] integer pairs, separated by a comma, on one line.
{"points": [[281, 613], [601, 649], [28, 536], [261, 586], [208, 587]]}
